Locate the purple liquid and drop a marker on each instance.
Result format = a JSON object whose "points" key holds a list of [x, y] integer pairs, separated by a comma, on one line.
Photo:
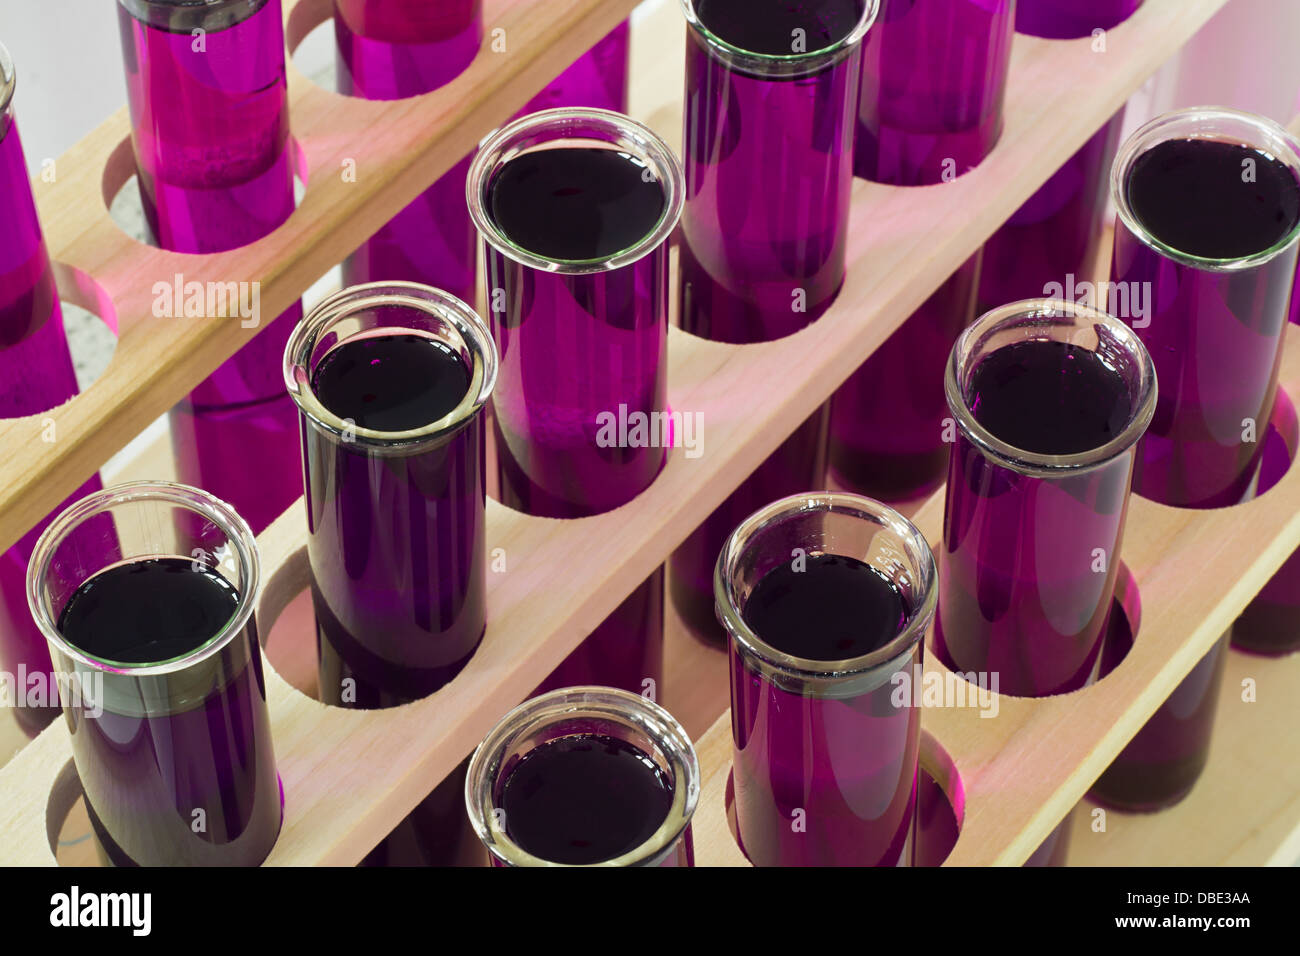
{"points": [[849, 764], [1067, 19], [584, 799], [1163, 762], [554, 458], [1023, 592], [36, 374], [210, 128], [768, 174], [1215, 337], [396, 544], [1056, 233], [886, 433], [147, 770], [596, 79], [387, 50], [934, 78]]}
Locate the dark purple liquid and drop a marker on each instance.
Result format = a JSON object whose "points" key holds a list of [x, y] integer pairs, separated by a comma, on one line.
{"points": [[933, 81], [584, 799], [768, 26], [1192, 195], [1050, 398], [1270, 625], [575, 204], [210, 128], [148, 611], [191, 781], [387, 50], [833, 609], [1215, 336], [396, 542], [823, 781], [886, 433], [1024, 592], [391, 383]]}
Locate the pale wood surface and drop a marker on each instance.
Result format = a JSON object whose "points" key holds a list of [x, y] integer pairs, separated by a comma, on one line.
{"points": [[350, 776]]}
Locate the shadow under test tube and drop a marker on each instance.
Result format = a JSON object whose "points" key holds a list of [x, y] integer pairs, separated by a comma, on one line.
{"points": [[210, 127], [387, 50], [36, 374], [826, 599], [769, 170], [391, 380], [585, 776], [1050, 399], [574, 208], [146, 593], [930, 109]]}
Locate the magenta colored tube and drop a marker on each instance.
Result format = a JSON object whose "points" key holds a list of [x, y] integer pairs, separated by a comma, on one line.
{"points": [[597, 80], [210, 127], [36, 374]]}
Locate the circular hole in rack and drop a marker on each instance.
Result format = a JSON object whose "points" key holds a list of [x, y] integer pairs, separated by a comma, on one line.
{"points": [[121, 192], [309, 34]]}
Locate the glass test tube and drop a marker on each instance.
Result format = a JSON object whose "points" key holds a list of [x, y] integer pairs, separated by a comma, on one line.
{"points": [[1270, 625], [171, 735], [1212, 292], [603, 772], [1032, 535], [395, 515], [1056, 233], [825, 752], [603, 292], [387, 50], [769, 170], [930, 109], [210, 128], [36, 374]]}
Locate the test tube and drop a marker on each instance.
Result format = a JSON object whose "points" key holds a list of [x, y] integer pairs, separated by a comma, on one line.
{"points": [[1050, 399], [585, 776], [574, 208], [209, 111], [826, 599], [146, 592], [598, 79], [390, 380]]}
